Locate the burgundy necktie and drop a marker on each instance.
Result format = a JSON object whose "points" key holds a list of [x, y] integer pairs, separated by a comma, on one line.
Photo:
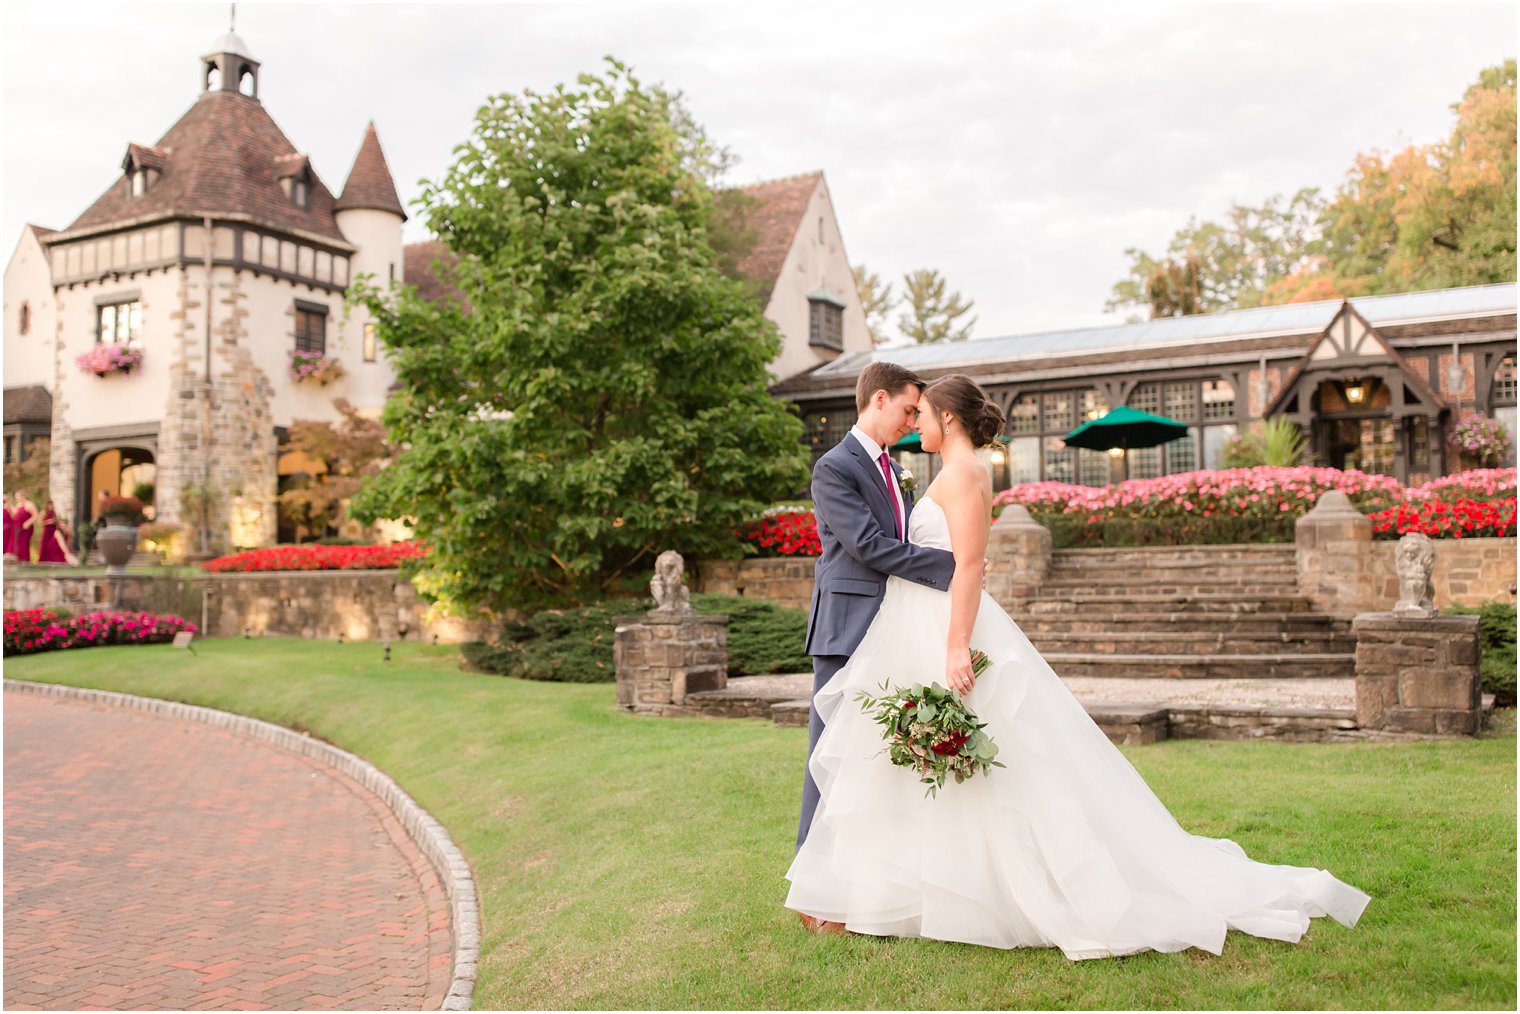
{"points": [[886, 473]]}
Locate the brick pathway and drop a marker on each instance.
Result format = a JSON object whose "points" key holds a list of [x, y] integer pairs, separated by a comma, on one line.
{"points": [[155, 863]]}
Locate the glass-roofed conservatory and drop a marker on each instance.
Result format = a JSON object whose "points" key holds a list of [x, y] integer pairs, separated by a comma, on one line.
{"points": [[1374, 383]]}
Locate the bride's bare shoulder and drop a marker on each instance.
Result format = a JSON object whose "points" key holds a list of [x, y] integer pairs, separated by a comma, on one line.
{"points": [[967, 480]]}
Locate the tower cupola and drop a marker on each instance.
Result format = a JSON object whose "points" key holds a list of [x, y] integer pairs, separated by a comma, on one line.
{"points": [[229, 67]]}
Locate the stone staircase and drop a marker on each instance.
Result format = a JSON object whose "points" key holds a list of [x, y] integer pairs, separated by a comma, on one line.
{"points": [[1215, 612]]}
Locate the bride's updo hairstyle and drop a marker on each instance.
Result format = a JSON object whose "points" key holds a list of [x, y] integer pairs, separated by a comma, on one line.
{"points": [[964, 398]]}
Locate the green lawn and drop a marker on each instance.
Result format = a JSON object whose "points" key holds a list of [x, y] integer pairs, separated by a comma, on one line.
{"points": [[638, 863]]}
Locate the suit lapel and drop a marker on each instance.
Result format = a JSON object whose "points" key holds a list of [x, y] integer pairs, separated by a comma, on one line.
{"points": [[885, 514]]}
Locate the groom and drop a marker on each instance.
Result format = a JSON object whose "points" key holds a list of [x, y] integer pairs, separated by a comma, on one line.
{"points": [[862, 511]]}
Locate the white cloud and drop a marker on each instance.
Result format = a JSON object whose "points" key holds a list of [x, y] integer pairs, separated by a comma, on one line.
{"points": [[1017, 148]]}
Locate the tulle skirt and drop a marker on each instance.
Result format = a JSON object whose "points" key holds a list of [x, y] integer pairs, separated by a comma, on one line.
{"points": [[1064, 847]]}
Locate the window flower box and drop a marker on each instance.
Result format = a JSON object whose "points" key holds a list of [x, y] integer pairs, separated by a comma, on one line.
{"points": [[107, 358], [314, 368]]}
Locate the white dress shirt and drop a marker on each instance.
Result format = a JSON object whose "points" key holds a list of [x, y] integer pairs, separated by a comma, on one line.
{"points": [[894, 489]]}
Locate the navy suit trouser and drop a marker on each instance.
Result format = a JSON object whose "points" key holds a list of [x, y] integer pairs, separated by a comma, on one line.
{"points": [[824, 668]]}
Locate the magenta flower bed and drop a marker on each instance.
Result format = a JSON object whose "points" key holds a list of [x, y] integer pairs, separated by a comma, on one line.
{"points": [[28, 631], [318, 558]]}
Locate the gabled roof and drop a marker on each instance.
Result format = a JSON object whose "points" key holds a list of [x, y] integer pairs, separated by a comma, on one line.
{"points": [[1349, 339], [219, 159], [776, 216], [370, 184], [31, 404], [40, 231]]}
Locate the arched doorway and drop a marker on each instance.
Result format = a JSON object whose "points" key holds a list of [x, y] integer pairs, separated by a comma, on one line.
{"points": [[117, 471]]}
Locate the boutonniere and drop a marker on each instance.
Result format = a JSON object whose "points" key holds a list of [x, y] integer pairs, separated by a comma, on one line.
{"points": [[906, 481]]}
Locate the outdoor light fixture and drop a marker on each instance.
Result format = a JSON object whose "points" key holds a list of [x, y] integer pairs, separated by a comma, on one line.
{"points": [[1116, 452], [1094, 413], [998, 457], [1356, 391]]}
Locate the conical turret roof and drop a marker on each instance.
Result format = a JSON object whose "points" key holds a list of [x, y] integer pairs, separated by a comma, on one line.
{"points": [[369, 182]]}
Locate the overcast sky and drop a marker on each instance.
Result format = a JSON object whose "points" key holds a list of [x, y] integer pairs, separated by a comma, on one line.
{"points": [[1017, 148]]}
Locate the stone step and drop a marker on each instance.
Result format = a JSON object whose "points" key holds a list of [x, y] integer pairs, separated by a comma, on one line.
{"points": [[1098, 588], [1194, 642], [1276, 665], [1098, 620], [1082, 602], [1163, 555], [1085, 565]]}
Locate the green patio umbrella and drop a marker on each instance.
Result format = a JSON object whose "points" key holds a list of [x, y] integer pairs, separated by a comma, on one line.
{"points": [[1125, 428], [910, 442]]}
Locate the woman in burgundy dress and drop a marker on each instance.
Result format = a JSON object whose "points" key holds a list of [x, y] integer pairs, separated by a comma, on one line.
{"points": [[53, 548], [8, 546], [26, 522]]}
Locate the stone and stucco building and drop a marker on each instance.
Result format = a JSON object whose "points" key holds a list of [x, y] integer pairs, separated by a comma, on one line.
{"points": [[216, 253]]}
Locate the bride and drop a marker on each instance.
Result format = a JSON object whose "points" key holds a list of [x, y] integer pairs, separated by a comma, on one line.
{"points": [[1064, 847]]}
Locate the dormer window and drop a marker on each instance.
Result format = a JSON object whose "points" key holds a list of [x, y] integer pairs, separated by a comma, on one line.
{"points": [[825, 320], [294, 171], [143, 165]]}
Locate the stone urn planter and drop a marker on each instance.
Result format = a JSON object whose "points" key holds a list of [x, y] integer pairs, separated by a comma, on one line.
{"points": [[116, 542]]}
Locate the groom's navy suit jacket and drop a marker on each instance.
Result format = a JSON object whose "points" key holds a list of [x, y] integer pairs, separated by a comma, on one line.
{"points": [[858, 531]]}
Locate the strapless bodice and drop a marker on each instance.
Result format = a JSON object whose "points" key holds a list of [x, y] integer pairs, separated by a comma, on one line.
{"points": [[928, 525]]}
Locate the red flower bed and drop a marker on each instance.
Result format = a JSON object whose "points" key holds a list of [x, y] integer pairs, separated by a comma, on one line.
{"points": [[1469, 519], [794, 533], [316, 557], [28, 631]]}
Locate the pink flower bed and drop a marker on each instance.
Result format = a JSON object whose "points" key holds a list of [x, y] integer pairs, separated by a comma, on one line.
{"points": [[316, 557], [28, 631], [1228, 492]]}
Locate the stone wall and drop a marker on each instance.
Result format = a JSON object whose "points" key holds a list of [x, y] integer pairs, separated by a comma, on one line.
{"points": [[1341, 577], [1468, 572], [786, 581], [358, 605]]}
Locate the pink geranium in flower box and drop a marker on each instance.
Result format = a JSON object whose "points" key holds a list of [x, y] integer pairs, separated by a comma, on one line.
{"points": [[107, 358]]}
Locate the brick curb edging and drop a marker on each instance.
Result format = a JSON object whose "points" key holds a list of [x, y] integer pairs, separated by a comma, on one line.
{"points": [[426, 832]]}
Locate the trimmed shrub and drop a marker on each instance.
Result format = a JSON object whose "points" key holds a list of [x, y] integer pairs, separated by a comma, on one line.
{"points": [[1496, 635], [575, 645]]}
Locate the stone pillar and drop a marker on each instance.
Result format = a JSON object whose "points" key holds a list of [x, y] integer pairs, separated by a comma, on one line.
{"points": [[1018, 548], [1335, 563], [663, 655], [1417, 674]]}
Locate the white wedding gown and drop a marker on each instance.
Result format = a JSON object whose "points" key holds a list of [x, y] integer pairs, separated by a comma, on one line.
{"points": [[1065, 847]]}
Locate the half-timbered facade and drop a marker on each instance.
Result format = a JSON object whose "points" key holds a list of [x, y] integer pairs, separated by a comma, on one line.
{"points": [[1374, 382]]}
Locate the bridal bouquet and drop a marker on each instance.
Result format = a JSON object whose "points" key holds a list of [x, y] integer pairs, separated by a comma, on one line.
{"points": [[932, 731]]}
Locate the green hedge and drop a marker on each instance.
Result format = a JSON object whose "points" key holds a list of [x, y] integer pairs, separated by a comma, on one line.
{"points": [[575, 645], [1069, 531], [1496, 633]]}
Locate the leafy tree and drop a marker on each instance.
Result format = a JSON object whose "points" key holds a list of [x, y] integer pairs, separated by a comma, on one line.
{"points": [[351, 452], [31, 476], [876, 300], [930, 315], [1437, 215], [1211, 266], [607, 397], [1430, 216]]}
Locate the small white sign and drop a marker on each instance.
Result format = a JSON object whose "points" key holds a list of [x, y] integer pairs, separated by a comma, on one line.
{"points": [[183, 639]]}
